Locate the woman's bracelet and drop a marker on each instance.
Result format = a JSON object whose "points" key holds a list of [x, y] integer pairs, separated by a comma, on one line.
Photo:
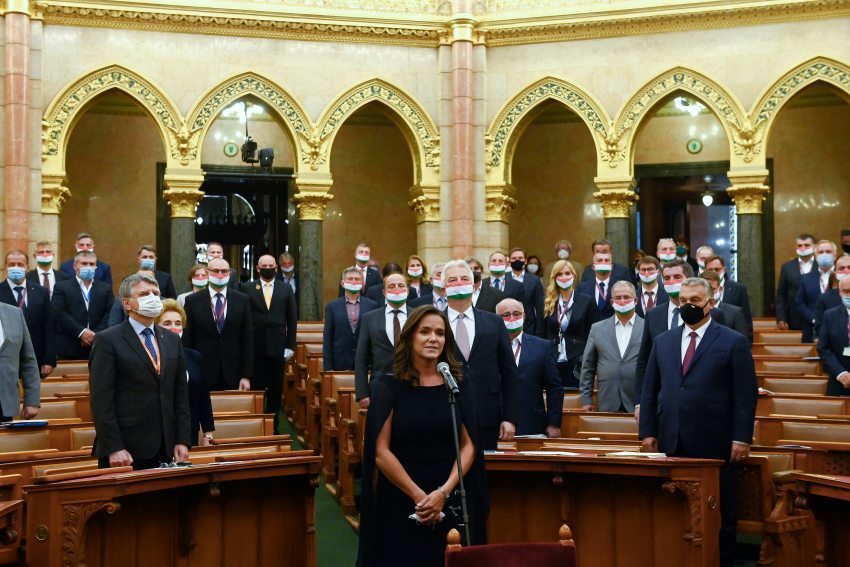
{"points": [[445, 496]]}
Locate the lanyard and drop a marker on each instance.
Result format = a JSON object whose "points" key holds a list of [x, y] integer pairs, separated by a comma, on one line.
{"points": [[564, 310], [156, 363]]}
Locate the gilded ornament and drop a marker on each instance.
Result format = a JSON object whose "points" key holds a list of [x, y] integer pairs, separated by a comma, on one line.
{"points": [[54, 193], [748, 198], [747, 139], [425, 208], [499, 202], [184, 144], [616, 204], [613, 152], [311, 205], [183, 201]]}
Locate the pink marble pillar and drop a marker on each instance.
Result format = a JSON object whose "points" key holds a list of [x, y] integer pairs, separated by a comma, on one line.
{"points": [[16, 175], [462, 163]]}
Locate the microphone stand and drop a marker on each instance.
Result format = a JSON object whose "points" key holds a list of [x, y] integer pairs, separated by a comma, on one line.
{"points": [[459, 468]]}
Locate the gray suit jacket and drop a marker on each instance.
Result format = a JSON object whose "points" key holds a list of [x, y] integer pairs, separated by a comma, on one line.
{"points": [[17, 362], [374, 355], [615, 373]]}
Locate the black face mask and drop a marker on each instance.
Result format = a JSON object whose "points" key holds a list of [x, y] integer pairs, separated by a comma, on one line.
{"points": [[692, 314], [517, 265], [267, 273], [846, 248]]}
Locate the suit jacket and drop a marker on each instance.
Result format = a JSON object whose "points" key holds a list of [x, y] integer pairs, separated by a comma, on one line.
{"points": [[421, 300], [117, 315], [229, 353], [660, 297], [376, 295], [374, 356], [618, 272], [166, 284], [17, 362], [532, 302], [372, 278], [510, 287], [491, 373], [575, 338], [589, 289], [200, 404], [39, 317], [488, 298], [134, 407], [275, 327], [711, 405], [615, 374], [807, 295], [827, 300], [58, 276], [340, 342], [102, 272], [735, 293], [295, 280], [537, 374], [734, 319], [72, 317], [424, 289], [832, 343], [786, 294]]}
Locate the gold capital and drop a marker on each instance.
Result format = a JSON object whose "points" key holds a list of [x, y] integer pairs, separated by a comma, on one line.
{"points": [[311, 205], [17, 6], [616, 204], [462, 28], [499, 201], [54, 193], [748, 198], [425, 202], [183, 194]]}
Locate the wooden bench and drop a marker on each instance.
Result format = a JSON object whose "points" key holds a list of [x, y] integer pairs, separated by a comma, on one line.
{"points": [[828, 434], [11, 517], [802, 405], [61, 409], [598, 425], [51, 436], [764, 324], [70, 367], [792, 350], [776, 337], [794, 385], [234, 401], [786, 365], [310, 327], [310, 370], [332, 384], [352, 425], [239, 427], [49, 388]]}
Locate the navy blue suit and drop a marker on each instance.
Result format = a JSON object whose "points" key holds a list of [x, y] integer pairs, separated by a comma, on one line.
{"points": [[340, 342], [510, 287], [200, 404], [372, 278], [72, 317], [537, 373], [491, 373], [827, 300], [786, 294], [532, 302], [102, 272], [807, 296], [618, 272], [831, 344], [589, 289]]}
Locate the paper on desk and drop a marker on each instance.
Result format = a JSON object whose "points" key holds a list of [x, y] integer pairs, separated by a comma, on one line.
{"points": [[535, 436], [549, 453], [637, 454]]}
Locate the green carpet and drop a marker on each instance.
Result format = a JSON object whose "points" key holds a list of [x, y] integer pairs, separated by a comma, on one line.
{"points": [[336, 541]]}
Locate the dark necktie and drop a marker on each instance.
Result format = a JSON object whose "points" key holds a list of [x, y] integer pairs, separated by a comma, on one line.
{"points": [[396, 326], [675, 322], [20, 291], [650, 301], [600, 304], [689, 354], [219, 311], [147, 333], [46, 281], [497, 283]]}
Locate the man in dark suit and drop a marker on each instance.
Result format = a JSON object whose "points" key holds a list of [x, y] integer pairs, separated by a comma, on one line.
{"points": [[286, 274], [219, 327], [600, 287], [483, 348], [437, 296], [536, 375], [379, 333], [618, 271], [787, 314], [343, 318], [834, 345], [831, 298], [371, 276], [215, 251], [485, 297], [376, 291], [139, 392], [34, 300], [682, 250], [85, 243], [44, 274], [498, 265], [650, 291], [731, 291], [704, 377], [532, 292], [813, 284], [733, 316], [275, 319], [147, 261], [81, 308]]}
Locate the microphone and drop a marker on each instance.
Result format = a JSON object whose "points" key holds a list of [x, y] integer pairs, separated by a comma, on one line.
{"points": [[451, 383]]}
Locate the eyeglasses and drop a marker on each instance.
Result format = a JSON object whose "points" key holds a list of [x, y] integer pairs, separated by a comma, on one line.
{"points": [[214, 271]]}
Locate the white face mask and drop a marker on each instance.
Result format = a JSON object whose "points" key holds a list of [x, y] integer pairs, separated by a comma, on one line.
{"points": [[624, 309], [565, 283], [396, 297], [287, 269], [414, 272], [497, 270], [701, 266], [437, 283], [44, 259], [200, 282], [667, 257], [840, 277], [532, 268], [459, 291], [673, 289], [563, 254], [649, 278], [514, 325], [221, 282], [149, 305], [802, 252], [604, 267], [716, 296], [352, 287], [362, 257]]}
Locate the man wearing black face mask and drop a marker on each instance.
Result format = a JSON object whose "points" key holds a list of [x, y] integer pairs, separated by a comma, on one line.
{"points": [[699, 397], [275, 319], [532, 292]]}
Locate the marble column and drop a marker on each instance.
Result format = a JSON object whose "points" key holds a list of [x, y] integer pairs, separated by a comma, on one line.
{"points": [[617, 198], [16, 113], [311, 201], [182, 192], [462, 130], [749, 191]]}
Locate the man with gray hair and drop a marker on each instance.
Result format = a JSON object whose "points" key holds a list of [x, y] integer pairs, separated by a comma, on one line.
{"points": [[666, 250], [342, 322], [611, 354], [81, 308], [705, 375], [139, 387], [438, 294]]}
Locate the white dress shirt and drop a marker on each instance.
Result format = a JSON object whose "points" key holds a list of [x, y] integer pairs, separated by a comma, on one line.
{"points": [[624, 333], [388, 320], [607, 283], [686, 338], [213, 298], [51, 277], [806, 267], [824, 280], [86, 291], [670, 308], [468, 320], [475, 295], [643, 296]]}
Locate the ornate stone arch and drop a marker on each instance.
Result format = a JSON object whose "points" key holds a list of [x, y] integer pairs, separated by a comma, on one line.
{"points": [[710, 92], [768, 105], [66, 108], [212, 102], [414, 121], [519, 111]]}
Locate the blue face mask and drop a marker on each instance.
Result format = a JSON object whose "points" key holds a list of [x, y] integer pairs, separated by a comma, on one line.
{"points": [[16, 274], [87, 273], [825, 260], [147, 263], [846, 301]]}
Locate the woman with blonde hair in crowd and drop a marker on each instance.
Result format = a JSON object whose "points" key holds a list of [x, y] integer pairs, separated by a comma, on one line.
{"points": [[198, 278], [567, 320], [416, 275]]}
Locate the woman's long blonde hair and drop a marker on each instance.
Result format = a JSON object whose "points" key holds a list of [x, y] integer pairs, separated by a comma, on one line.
{"points": [[553, 292]]}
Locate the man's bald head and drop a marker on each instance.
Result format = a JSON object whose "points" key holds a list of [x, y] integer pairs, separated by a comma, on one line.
{"points": [[508, 305]]}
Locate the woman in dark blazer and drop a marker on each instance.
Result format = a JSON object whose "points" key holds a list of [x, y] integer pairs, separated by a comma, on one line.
{"points": [[416, 275], [173, 318], [567, 320]]}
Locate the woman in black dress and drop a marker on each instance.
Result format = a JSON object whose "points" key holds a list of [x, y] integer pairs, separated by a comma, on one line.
{"points": [[409, 464], [567, 320]]}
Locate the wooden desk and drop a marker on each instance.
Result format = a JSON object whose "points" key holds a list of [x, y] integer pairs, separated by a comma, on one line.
{"points": [[623, 512], [828, 497], [258, 513]]}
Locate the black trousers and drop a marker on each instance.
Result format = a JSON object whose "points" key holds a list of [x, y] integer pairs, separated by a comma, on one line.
{"points": [[141, 464], [268, 376]]}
